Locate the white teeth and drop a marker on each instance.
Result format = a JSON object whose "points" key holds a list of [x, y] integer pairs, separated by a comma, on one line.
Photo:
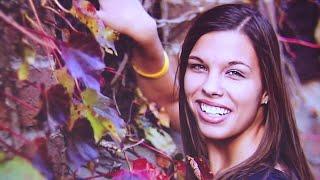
{"points": [[214, 110]]}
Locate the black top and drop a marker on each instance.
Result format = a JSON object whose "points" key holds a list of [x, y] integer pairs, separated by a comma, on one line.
{"points": [[272, 174]]}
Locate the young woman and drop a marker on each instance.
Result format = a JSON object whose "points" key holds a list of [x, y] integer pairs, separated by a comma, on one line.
{"points": [[235, 114]]}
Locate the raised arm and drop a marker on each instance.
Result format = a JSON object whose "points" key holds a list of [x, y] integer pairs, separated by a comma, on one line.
{"points": [[129, 17]]}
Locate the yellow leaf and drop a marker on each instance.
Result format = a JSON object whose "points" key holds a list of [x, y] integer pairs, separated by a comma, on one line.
{"points": [[85, 12], [317, 32], [23, 72], [160, 114], [75, 114], [101, 126], [2, 156], [65, 79], [89, 97], [29, 55]]}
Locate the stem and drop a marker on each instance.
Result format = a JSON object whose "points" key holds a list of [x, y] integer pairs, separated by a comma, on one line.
{"points": [[156, 150], [65, 19], [36, 15], [32, 21], [20, 28], [127, 160], [115, 100], [120, 69], [106, 175], [14, 133], [61, 7], [26, 105], [299, 42], [13, 150], [133, 145]]}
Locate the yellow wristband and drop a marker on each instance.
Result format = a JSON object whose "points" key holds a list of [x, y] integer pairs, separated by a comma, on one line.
{"points": [[158, 74]]}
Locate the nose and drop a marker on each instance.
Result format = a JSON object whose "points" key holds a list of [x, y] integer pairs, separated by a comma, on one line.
{"points": [[212, 86]]}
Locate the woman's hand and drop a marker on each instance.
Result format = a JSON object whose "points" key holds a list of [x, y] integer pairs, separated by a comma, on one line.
{"points": [[128, 17]]}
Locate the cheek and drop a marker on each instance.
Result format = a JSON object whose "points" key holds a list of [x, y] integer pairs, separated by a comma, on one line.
{"points": [[245, 93], [192, 83]]}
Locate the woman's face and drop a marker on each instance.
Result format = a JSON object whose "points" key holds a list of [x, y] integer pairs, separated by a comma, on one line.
{"points": [[223, 85]]}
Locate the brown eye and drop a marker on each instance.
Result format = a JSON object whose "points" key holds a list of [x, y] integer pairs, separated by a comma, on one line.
{"points": [[235, 73], [198, 67]]}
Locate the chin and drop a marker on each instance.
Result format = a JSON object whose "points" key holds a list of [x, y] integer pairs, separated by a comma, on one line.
{"points": [[215, 134]]}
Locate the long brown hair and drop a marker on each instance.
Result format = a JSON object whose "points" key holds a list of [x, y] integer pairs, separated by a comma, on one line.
{"points": [[280, 140]]}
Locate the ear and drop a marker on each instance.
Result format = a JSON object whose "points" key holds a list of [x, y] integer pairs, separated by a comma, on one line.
{"points": [[264, 98]]}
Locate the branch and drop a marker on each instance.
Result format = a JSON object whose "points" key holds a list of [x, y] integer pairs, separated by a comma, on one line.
{"points": [[61, 7], [188, 16], [20, 28], [120, 69], [298, 42], [4, 128], [133, 145], [21, 102], [13, 150], [65, 19]]}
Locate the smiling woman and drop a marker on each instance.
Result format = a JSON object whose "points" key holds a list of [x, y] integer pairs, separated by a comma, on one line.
{"points": [[224, 88], [234, 107], [234, 110]]}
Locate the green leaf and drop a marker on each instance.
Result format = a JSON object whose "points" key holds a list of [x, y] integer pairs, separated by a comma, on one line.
{"points": [[19, 168], [23, 72], [65, 79]]}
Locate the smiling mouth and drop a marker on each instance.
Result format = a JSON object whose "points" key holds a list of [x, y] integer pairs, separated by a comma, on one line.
{"points": [[213, 110]]}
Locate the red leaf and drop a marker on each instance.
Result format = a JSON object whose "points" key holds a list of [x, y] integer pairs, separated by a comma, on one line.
{"points": [[81, 146], [37, 152], [142, 164], [142, 170], [83, 58], [55, 109]]}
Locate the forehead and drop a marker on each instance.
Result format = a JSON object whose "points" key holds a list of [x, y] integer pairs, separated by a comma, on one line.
{"points": [[225, 46]]}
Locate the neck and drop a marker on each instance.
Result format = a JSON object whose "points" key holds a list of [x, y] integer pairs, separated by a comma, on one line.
{"points": [[227, 153]]}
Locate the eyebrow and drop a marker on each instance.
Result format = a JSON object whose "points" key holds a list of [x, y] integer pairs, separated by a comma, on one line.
{"points": [[231, 63], [238, 62], [196, 58]]}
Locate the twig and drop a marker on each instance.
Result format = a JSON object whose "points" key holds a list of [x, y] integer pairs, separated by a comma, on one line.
{"points": [[32, 21], [65, 19], [127, 160], [130, 112], [106, 175], [156, 150], [188, 16], [21, 102], [133, 145], [299, 42], [41, 28], [36, 15], [20, 28], [13, 150], [115, 100], [4, 128], [120, 69], [61, 7]]}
